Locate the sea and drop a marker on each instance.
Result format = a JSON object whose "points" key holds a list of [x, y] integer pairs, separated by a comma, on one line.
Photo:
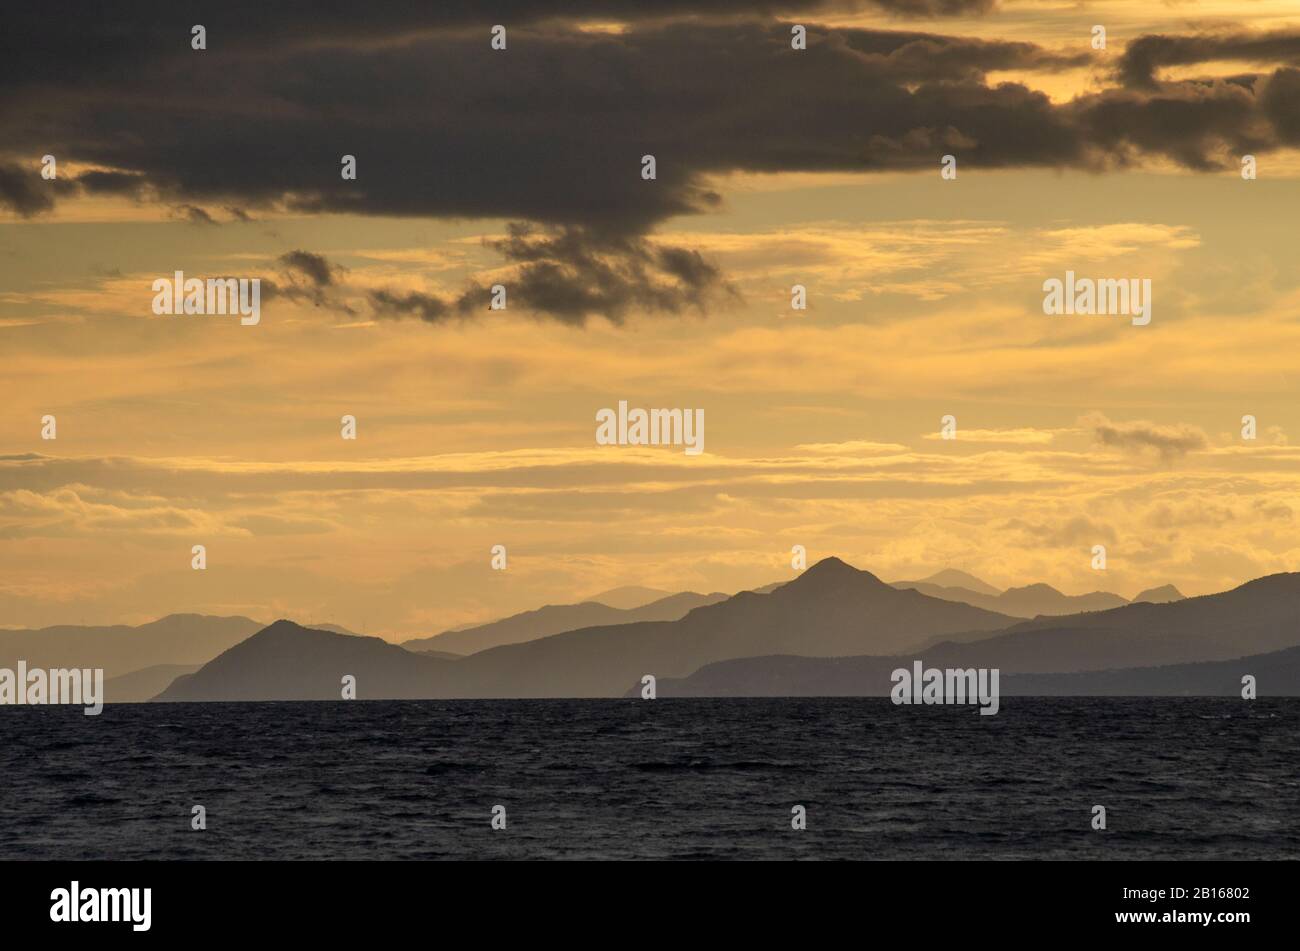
{"points": [[711, 779]]}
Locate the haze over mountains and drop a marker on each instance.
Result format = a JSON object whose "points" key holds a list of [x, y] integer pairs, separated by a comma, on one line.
{"points": [[833, 628], [1028, 601], [285, 661], [557, 618], [1277, 675], [629, 596], [830, 609], [186, 639]]}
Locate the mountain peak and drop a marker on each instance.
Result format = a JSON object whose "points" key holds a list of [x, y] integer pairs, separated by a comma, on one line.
{"points": [[1038, 587], [282, 626], [832, 570], [955, 578], [1160, 595], [830, 566]]}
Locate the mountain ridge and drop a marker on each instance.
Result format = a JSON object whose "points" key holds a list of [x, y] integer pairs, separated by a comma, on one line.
{"points": [[831, 607]]}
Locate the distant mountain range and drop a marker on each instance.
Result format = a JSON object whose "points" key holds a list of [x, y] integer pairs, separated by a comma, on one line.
{"points": [[1029, 601], [831, 628], [629, 596], [145, 684], [557, 618], [1277, 675], [952, 578], [185, 639], [830, 609], [288, 662]]}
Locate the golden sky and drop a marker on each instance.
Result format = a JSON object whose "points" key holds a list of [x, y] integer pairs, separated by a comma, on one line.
{"points": [[477, 428]]}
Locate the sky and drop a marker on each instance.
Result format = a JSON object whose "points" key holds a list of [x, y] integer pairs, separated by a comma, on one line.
{"points": [[522, 167]]}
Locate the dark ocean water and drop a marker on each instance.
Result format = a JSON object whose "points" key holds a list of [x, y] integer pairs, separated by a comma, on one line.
{"points": [[670, 778]]}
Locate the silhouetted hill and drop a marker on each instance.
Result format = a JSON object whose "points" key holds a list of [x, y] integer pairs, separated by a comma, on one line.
{"points": [[288, 662], [141, 685], [1025, 602], [555, 619], [629, 596], [830, 609], [1258, 618], [953, 578], [1161, 595], [1276, 673], [187, 639]]}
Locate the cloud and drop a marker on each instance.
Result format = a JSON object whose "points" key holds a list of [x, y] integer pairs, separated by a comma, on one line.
{"points": [[26, 193], [307, 277], [314, 267], [194, 215], [430, 308], [1023, 437], [552, 130], [1169, 442], [550, 133], [1076, 532], [1144, 56], [572, 273], [80, 509], [851, 447]]}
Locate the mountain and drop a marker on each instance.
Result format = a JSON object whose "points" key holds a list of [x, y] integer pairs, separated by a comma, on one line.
{"points": [[629, 596], [141, 685], [187, 639], [953, 578], [1161, 595], [1026, 602], [830, 609], [555, 619], [1035, 599], [335, 629], [1276, 673], [288, 662], [1257, 619]]}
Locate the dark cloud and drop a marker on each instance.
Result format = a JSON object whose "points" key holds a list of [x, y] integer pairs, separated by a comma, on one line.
{"points": [[91, 40], [194, 215], [1146, 55], [391, 305], [26, 193], [314, 267], [572, 274], [128, 184], [552, 131], [307, 277], [1168, 442]]}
